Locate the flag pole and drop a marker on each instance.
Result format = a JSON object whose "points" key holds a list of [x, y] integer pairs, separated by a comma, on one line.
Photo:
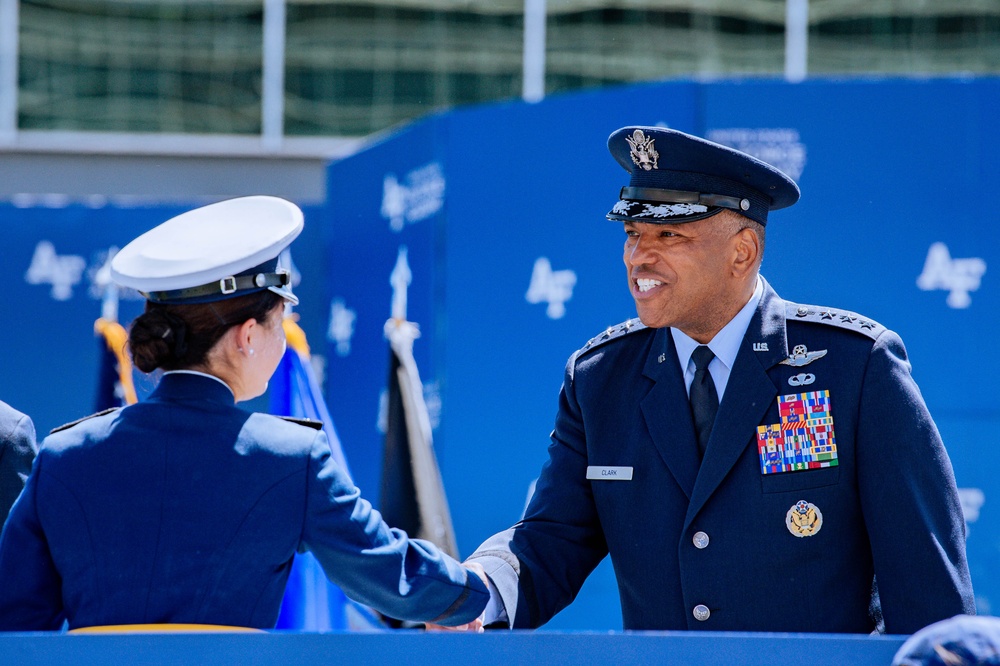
{"points": [[109, 290], [433, 517]]}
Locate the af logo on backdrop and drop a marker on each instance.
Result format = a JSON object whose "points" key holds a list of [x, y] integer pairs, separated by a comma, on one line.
{"points": [[63, 272], [552, 287], [956, 276]]}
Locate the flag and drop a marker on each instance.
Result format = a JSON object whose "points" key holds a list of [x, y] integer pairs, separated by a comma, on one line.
{"points": [[311, 601], [114, 383], [412, 491]]}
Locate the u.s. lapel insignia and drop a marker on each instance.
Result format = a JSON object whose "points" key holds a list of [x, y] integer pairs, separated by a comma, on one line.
{"points": [[801, 356], [804, 519], [643, 153]]}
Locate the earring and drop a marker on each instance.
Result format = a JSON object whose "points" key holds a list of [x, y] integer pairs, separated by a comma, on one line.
{"points": [[251, 352]]}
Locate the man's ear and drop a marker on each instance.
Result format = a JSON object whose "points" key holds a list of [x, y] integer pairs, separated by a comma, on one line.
{"points": [[746, 251]]}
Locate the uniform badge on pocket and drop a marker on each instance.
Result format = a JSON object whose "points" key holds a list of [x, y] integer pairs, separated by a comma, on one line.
{"points": [[804, 519], [803, 440]]}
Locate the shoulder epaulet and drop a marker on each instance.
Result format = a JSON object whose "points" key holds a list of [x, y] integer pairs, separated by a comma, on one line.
{"points": [[309, 423], [852, 321], [85, 418], [613, 333]]}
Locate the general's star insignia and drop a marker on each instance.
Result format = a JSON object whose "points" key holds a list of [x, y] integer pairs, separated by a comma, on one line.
{"points": [[801, 356]]}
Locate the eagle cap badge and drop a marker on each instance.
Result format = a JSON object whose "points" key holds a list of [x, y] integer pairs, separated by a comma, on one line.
{"points": [[804, 519], [643, 153]]}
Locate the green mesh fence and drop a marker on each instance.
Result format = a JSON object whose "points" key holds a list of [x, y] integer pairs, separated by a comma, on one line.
{"points": [[352, 68]]}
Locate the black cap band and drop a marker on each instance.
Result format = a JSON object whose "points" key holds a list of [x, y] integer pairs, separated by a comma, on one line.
{"points": [[680, 196], [226, 286]]}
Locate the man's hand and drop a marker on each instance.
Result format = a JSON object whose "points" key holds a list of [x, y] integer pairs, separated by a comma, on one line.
{"points": [[476, 626]]}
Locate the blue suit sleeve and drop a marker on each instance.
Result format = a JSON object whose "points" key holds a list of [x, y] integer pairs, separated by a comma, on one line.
{"points": [[379, 566], [17, 451], [539, 565], [911, 507], [31, 594]]}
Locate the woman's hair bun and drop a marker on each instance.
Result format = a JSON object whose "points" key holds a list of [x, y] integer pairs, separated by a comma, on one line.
{"points": [[157, 338]]}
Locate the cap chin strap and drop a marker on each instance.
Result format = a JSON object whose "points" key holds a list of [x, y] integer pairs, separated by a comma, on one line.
{"points": [[680, 196], [225, 286]]}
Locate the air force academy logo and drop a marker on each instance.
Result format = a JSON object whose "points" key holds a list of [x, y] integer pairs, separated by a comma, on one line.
{"points": [[62, 271], [552, 287], [956, 276]]}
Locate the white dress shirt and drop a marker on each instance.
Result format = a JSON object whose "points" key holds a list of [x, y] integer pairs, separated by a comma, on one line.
{"points": [[725, 345]]}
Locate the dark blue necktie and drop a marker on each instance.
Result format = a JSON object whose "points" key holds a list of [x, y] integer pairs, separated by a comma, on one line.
{"points": [[704, 399]]}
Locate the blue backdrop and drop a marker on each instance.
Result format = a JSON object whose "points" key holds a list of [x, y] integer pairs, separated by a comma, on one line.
{"points": [[501, 211], [521, 268]]}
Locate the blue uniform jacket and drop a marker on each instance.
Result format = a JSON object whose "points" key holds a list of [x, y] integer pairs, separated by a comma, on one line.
{"points": [[184, 508], [686, 538]]}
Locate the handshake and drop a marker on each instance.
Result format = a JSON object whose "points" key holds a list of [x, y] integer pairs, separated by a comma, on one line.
{"points": [[476, 626]]}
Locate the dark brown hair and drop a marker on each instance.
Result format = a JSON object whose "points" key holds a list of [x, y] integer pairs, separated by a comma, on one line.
{"points": [[174, 337]]}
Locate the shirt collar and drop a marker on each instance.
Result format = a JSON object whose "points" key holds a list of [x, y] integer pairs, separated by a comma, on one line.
{"points": [[726, 343]]}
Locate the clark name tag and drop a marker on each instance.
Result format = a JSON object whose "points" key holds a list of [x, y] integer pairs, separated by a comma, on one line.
{"points": [[595, 473]]}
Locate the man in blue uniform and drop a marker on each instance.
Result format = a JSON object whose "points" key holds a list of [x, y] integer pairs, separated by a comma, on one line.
{"points": [[184, 508], [749, 464]]}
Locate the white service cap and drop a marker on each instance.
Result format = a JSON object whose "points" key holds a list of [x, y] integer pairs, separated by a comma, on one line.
{"points": [[218, 251]]}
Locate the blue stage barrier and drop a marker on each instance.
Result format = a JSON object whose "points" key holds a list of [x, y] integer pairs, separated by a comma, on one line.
{"points": [[506, 648]]}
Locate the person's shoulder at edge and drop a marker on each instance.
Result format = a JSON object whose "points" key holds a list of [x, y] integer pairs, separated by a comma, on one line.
{"points": [[11, 417], [17, 431]]}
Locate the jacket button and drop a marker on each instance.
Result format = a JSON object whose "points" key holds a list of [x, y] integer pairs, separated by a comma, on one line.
{"points": [[700, 540], [701, 612]]}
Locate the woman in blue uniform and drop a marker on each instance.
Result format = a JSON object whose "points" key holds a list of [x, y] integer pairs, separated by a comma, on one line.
{"points": [[184, 508]]}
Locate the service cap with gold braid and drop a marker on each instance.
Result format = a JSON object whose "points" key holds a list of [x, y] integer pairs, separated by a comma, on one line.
{"points": [[677, 178], [218, 251]]}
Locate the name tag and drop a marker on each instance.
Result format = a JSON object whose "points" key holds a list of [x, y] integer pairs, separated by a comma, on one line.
{"points": [[595, 473]]}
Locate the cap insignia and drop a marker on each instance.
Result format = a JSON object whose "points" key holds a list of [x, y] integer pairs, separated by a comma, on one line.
{"points": [[643, 153]]}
